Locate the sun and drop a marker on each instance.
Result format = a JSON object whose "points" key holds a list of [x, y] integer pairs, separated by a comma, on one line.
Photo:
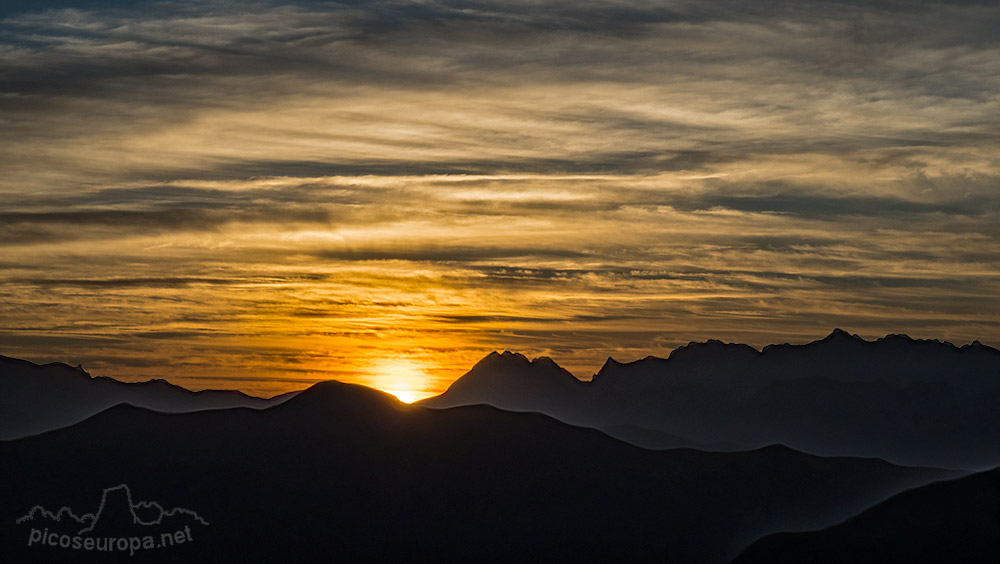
{"points": [[408, 396], [404, 378]]}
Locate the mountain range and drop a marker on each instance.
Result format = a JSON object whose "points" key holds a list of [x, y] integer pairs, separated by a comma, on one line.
{"points": [[912, 402], [349, 473], [37, 398], [840, 450]]}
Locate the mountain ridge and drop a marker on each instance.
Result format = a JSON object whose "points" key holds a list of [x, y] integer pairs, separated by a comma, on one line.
{"points": [[384, 480], [912, 401], [37, 398]]}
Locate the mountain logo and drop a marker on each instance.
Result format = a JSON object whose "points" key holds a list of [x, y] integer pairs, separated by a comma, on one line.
{"points": [[119, 524]]}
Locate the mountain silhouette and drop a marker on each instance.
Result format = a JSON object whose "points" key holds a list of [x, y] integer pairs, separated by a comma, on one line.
{"points": [[38, 398], [507, 378], [349, 473], [953, 521], [913, 402]]}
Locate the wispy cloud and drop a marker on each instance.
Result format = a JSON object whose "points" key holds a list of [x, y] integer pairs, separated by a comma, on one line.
{"points": [[287, 188]]}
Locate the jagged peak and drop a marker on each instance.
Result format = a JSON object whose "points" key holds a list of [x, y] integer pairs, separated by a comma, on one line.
{"points": [[839, 333], [709, 344], [609, 365], [611, 362], [906, 338], [501, 357], [506, 354], [520, 359], [900, 336], [501, 370]]}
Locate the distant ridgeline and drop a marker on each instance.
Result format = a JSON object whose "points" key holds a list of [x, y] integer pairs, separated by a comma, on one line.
{"points": [[340, 472], [37, 398], [913, 402]]}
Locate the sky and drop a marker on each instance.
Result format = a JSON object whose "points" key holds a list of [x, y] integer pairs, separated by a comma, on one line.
{"points": [[261, 195]]}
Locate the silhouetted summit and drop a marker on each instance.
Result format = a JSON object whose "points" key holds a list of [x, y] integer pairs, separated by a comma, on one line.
{"points": [[332, 395], [918, 402], [505, 378]]}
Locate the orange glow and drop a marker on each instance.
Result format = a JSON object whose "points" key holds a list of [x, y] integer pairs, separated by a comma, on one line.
{"points": [[410, 396], [404, 378]]}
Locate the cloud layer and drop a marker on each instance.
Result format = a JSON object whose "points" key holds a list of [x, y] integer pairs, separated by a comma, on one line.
{"points": [[304, 190]]}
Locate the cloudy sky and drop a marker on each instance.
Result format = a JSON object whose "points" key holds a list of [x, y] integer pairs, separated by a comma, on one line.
{"points": [[262, 194]]}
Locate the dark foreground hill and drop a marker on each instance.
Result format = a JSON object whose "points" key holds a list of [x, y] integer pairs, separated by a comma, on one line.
{"points": [[909, 401], [342, 473], [945, 522], [37, 398]]}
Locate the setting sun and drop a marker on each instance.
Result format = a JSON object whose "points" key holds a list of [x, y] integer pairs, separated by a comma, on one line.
{"points": [[402, 377]]}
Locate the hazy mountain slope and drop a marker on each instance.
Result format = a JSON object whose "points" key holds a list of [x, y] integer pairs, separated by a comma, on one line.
{"points": [[954, 521], [35, 399], [912, 402], [349, 473]]}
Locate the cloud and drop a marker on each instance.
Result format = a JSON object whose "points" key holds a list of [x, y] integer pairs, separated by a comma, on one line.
{"points": [[819, 206], [449, 254], [248, 184], [108, 283], [53, 227]]}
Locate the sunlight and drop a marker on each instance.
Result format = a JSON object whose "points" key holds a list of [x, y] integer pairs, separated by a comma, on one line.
{"points": [[409, 396], [402, 377]]}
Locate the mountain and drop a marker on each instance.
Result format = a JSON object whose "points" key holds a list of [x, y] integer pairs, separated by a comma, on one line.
{"points": [[510, 378], [342, 472], [953, 521], [37, 398], [913, 402]]}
